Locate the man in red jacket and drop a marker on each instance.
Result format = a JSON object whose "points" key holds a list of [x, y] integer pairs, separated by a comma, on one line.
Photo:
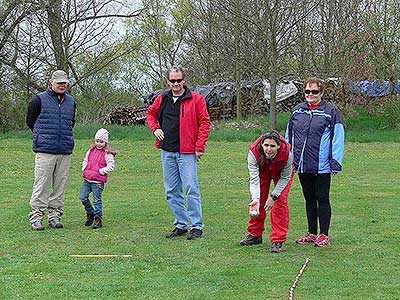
{"points": [[180, 122]]}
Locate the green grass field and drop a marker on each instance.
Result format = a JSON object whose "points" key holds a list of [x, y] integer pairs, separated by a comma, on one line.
{"points": [[362, 263]]}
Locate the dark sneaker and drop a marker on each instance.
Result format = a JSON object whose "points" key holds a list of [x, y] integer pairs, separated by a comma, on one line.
{"points": [[194, 234], [276, 247], [55, 224], [98, 223], [37, 225], [176, 232], [251, 240], [89, 219]]}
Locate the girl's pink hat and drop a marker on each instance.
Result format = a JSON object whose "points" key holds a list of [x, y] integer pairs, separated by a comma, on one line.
{"points": [[102, 135]]}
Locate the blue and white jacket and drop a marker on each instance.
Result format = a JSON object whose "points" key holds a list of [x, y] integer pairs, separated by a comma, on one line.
{"points": [[316, 138]]}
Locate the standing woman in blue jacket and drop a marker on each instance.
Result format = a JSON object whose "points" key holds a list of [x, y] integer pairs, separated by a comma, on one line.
{"points": [[316, 134], [51, 117]]}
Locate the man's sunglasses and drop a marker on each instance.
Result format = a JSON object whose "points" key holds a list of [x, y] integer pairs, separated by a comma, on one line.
{"points": [[175, 80], [314, 92]]}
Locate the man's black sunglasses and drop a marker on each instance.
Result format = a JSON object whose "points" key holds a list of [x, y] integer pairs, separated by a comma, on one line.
{"points": [[175, 80], [314, 92]]}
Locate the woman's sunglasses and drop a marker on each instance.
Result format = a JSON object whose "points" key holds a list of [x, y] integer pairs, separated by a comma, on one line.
{"points": [[314, 92]]}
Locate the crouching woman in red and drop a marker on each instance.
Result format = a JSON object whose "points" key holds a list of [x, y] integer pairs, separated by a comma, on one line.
{"points": [[269, 159]]}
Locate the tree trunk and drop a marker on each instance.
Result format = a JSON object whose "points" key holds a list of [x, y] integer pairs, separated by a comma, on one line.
{"points": [[238, 68], [55, 27], [273, 13], [272, 103]]}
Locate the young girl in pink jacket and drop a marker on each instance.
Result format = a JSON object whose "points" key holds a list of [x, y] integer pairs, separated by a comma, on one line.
{"points": [[98, 162]]}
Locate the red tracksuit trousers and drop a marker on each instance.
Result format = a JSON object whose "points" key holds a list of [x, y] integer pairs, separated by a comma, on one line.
{"points": [[279, 216]]}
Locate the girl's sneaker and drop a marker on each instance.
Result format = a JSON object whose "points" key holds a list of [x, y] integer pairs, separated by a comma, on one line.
{"points": [[98, 223], [89, 219], [307, 238], [322, 240]]}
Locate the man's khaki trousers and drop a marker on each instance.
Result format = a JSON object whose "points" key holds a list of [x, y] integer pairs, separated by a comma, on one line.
{"points": [[51, 176]]}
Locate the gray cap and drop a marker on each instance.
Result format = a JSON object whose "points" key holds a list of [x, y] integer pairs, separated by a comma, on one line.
{"points": [[59, 76]]}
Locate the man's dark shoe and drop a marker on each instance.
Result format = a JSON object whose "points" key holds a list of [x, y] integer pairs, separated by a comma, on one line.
{"points": [[276, 247], [251, 240], [194, 234], [176, 232], [98, 223], [89, 219], [55, 223], [37, 225]]}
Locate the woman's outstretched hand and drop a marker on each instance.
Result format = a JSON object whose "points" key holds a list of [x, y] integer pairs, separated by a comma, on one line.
{"points": [[254, 208]]}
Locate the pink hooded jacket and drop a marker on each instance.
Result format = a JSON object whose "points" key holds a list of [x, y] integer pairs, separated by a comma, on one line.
{"points": [[97, 164]]}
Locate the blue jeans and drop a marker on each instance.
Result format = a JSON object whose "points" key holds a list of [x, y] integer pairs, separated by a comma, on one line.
{"points": [[97, 190], [180, 180]]}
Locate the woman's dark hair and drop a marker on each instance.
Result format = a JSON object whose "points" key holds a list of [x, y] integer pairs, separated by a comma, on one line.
{"points": [[272, 135]]}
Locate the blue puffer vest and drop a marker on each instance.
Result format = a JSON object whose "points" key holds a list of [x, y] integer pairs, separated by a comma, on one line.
{"points": [[52, 132]]}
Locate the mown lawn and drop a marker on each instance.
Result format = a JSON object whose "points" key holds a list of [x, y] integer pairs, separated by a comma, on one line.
{"points": [[362, 263]]}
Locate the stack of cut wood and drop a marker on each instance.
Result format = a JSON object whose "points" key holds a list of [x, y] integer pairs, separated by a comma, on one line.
{"points": [[221, 102], [254, 102], [129, 115]]}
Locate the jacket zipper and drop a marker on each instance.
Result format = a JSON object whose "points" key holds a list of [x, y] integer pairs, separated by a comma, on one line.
{"points": [[305, 143], [59, 122]]}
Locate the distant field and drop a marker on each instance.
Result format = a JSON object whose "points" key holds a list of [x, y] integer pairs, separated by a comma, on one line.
{"points": [[361, 126], [362, 263]]}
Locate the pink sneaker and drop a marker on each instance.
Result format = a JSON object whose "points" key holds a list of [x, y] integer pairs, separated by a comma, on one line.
{"points": [[307, 238], [322, 240]]}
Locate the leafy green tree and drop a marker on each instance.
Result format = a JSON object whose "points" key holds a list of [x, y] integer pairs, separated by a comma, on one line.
{"points": [[162, 30], [37, 37]]}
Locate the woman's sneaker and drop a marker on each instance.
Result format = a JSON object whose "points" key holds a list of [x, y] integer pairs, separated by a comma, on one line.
{"points": [[322, 240], [276, 247], [251, 240], [307, 238]]}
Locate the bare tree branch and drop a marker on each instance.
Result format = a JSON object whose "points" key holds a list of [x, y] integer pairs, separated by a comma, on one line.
{"points": [[96, 17], [23, 75]]}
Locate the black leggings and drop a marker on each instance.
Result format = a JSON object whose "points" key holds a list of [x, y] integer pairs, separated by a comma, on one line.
{"points": [[316, 193]]}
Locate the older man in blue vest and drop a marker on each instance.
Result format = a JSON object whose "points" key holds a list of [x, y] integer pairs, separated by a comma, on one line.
{"points": [[51, 117]]}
